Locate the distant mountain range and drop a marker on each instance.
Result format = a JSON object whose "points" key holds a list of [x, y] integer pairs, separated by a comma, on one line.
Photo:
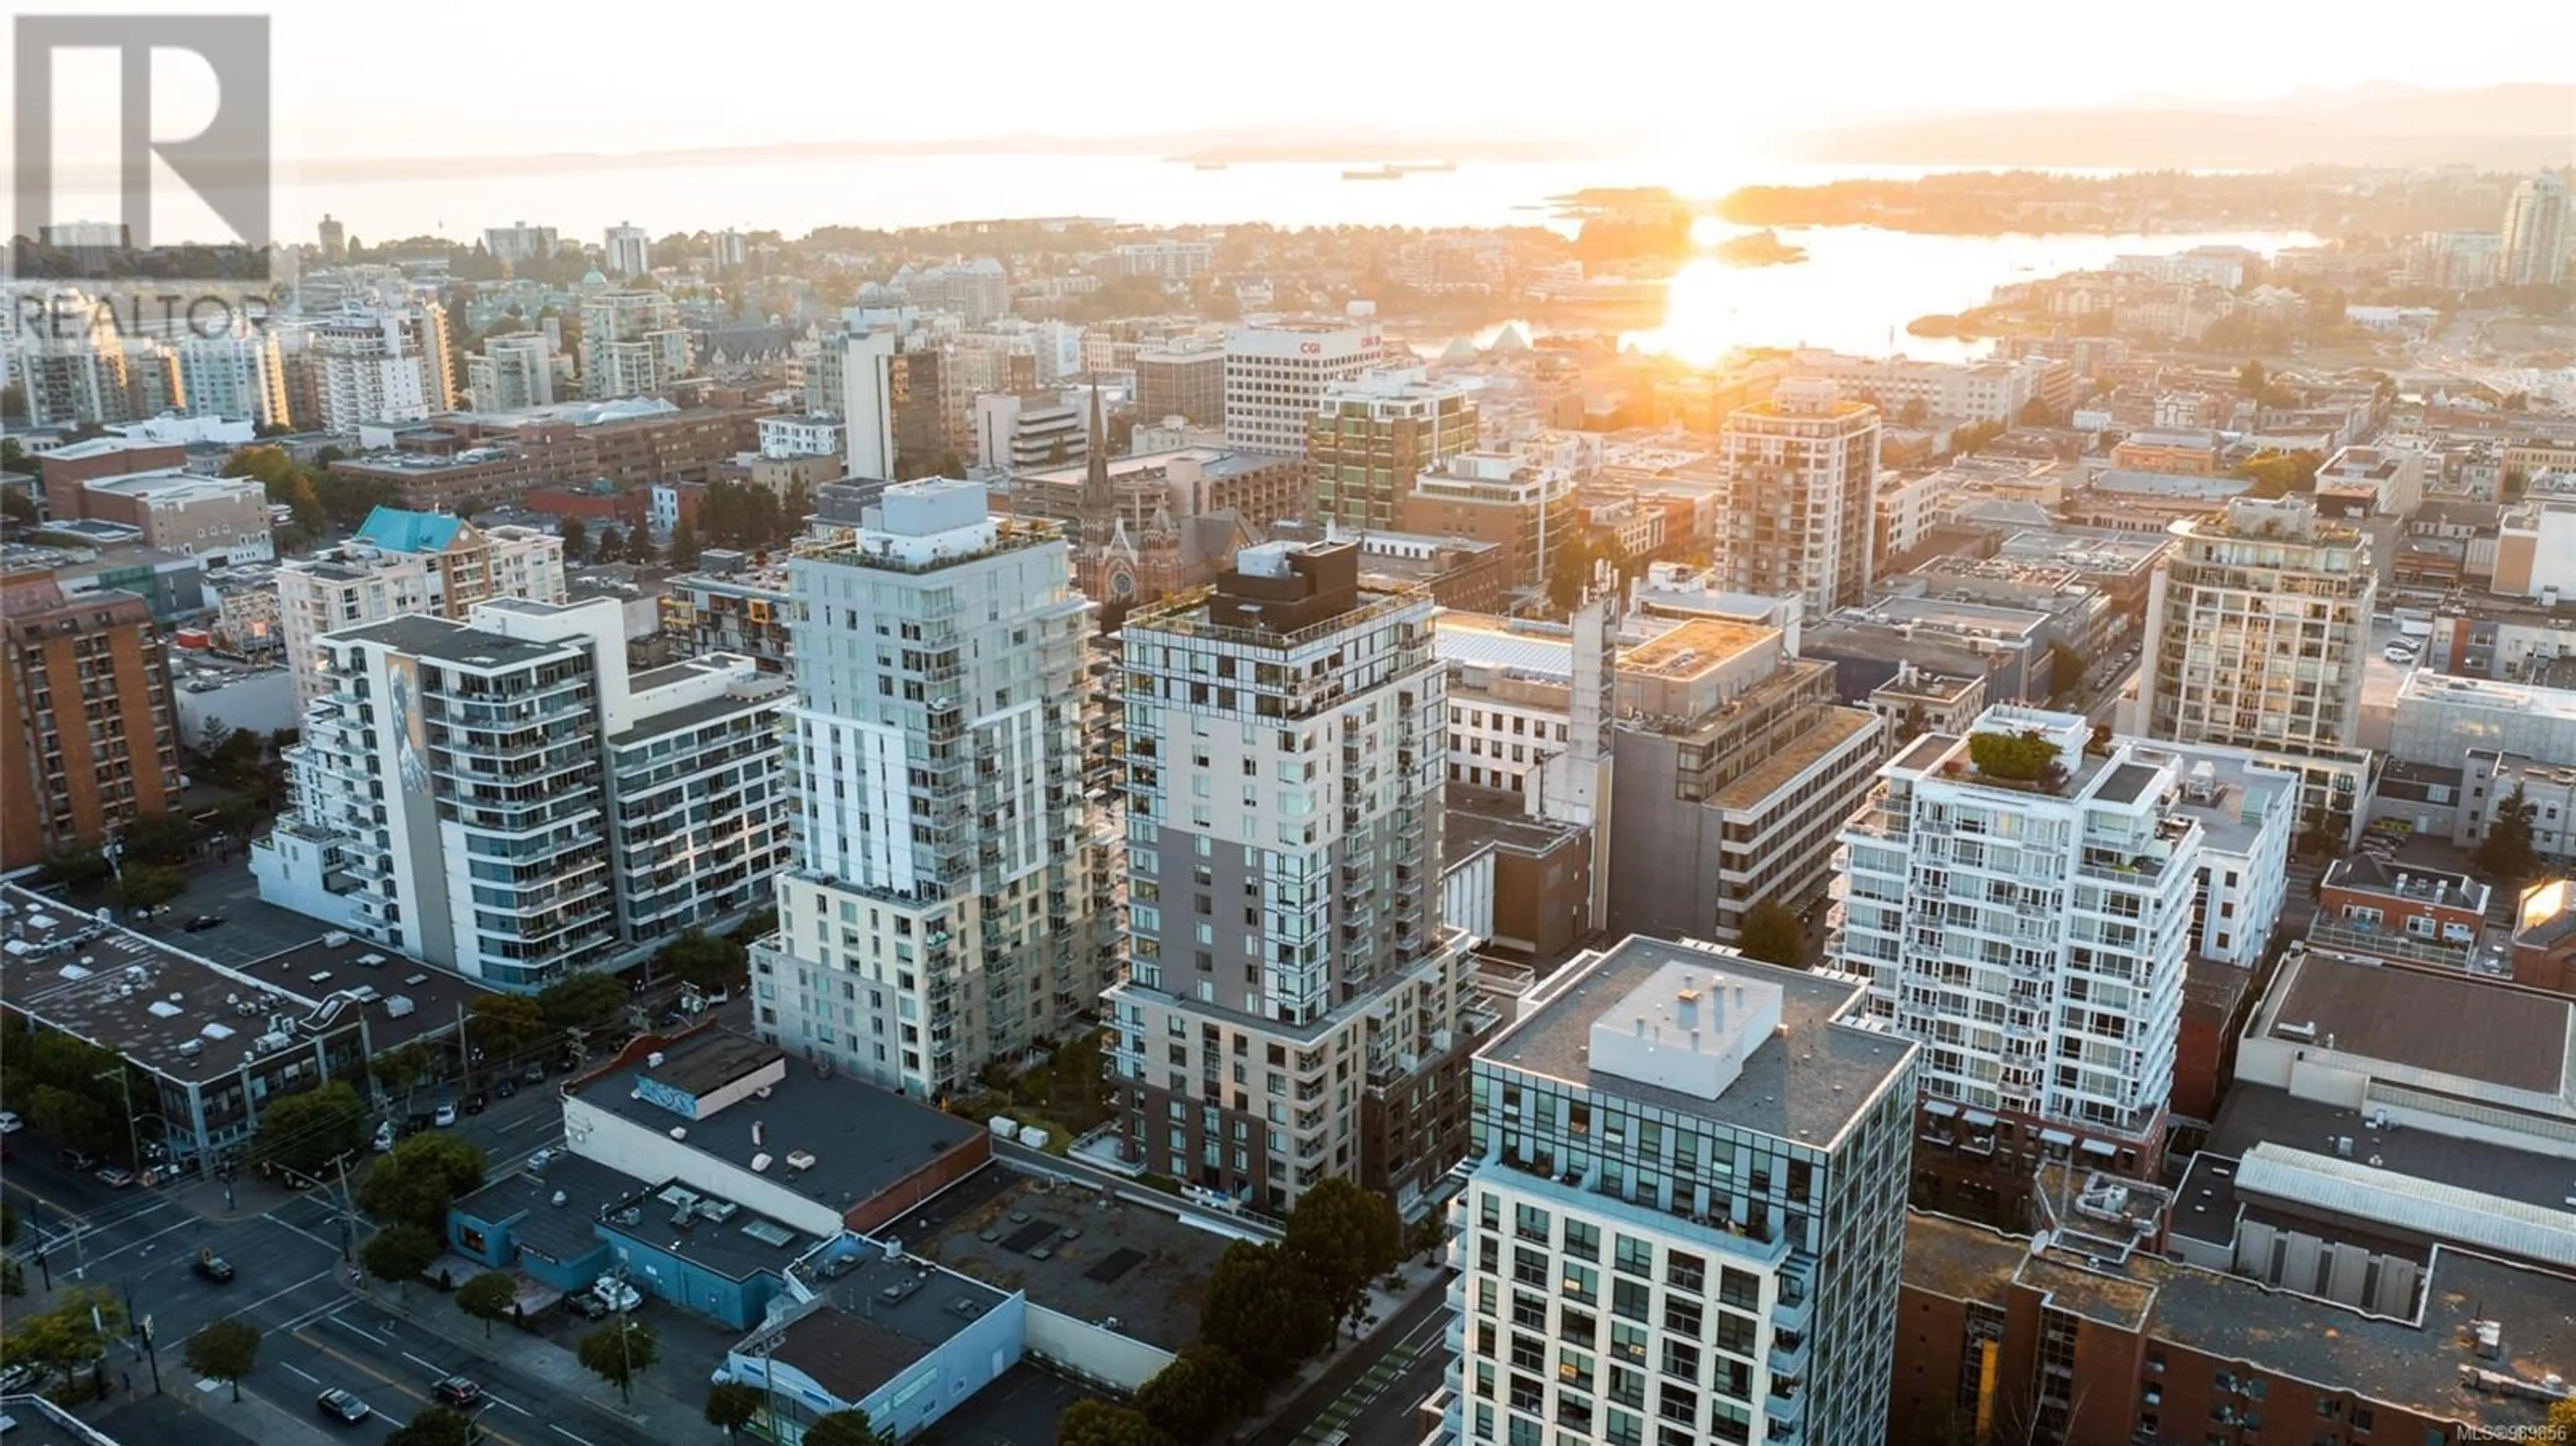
{"points": [[2514, 127]]}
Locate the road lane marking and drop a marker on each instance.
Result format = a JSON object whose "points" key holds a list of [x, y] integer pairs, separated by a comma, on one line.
{"points": [[497, 1401], [442, 1371], [359, 1365], [371, 1335], [290, 1290], [146, 1240], [300, 1230], [567, 1435], [299, 1370], [61, 1210]]}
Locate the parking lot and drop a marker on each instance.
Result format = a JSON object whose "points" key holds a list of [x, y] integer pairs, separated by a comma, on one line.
{"points": [[250, 929]]}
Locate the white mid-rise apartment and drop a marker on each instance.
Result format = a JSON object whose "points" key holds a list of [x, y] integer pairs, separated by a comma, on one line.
{"points": [[2258, 630], [2022, 903], [519, 241], [943, 908], [1802, 496], [1295, 1009], [513, 372], [239, 377], [1978, 391], [402, 562], [380, 363], [626, 251], [501, 797], [1685, 1211], [1275, 376], [632, 344], [867, 362]]}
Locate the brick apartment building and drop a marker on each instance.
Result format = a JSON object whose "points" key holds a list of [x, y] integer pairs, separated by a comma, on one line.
{"points": [[471, 461], [87, 743]]}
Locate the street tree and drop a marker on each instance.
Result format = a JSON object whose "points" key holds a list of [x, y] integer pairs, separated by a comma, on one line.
{"points": [[1343, 1236], [581, 1000], [731, 1405], [575, 548], [1264, 1310], [1097, 1423], [66, 1338], [424, 1175], [488, 1297], [618, 1352], [149, 886], [304, 1132], [1198, 1394], [437, 1426], [504, 1024], [1773, 933], [402, 1069], [399, 1254], [701, 958], [225, 1350]]}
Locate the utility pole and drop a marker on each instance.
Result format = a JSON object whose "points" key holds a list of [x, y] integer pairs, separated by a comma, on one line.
{"points": [[143, 1335], [348, 1215]]}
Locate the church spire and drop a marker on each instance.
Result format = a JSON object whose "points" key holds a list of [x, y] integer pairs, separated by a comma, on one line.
{"points": [[1099, 499]]}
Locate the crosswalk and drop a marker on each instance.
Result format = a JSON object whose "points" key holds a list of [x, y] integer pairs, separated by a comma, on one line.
{"points": [[1347, 1407]]}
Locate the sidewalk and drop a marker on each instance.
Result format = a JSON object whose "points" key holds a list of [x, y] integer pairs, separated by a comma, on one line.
{"points": [[530, 1352]]}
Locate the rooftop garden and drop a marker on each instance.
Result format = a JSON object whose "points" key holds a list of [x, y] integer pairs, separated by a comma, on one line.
{"points": [[2027, 759]]}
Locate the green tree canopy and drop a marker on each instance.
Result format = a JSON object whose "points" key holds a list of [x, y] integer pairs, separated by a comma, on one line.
{"points": [[64, 1338], [1773, 933], [2024, 757], [731, 1405], [2065, 672], [504, 1024], [488, 1297], [305, 1132], [1198, 1394], [2506, 853], [576, 546], [161, 838], [582, 1000], [225, 1350], [422, 1177], [702, 959], [149, 886], [1344, 1237], [618, 1352], [436, 1426], [399, 1254], [2278, 474], [684, 544], [1264, 1310], [1097, 1423]]}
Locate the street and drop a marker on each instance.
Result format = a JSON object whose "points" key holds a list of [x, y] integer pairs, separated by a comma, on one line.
{"points": [[1371, 1392]]}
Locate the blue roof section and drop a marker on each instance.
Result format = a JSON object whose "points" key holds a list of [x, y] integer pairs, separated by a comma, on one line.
{"points": [[397, 530]]}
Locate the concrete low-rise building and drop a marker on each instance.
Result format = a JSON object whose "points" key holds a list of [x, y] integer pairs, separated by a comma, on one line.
{"points": [[217, 520]]}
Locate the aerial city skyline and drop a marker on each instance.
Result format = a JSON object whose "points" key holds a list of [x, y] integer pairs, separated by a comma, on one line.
{"points": [[1628, 744]]}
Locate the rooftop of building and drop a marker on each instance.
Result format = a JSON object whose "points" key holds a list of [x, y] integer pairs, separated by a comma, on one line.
{"points": [[1696, 648], [2230, 796], [553, 1204], [1806, 1085], [1951, 615], [1829, 731], [1074, 1249], [399, 529], [1476, 818], [2087, 549], [707, 1231], [2368, 874], [2255, 1114], [175, 484], [188, 1018], [2169, 486], [875, 1319], [862, 1139], [2097, 1295], [2423, 687], [2419, 1020], [1957, 1260], [1936, 688], [440, 639]]}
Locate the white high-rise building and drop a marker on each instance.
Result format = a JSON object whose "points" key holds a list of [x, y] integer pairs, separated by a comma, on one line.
{"points": [[402, 562], [1275, 376], [944, 909], [2536, 235], [1802, 496], [627, 251], [1295, 1008], [2021, 904], [238, 377], [500, 797], [632, 344], [867, 410], [381, 363], [1685, 1211], [519, 241], [66, 355], [513, 372], [728, 250]]}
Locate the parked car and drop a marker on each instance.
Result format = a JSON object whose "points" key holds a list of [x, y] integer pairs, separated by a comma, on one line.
{"points": [[586, 1304], [210, 1266], [342, 1407], [458, 1391], [616, 1294], [446, 1114], [504, 1087], [10, 1124], [475, 1103], [535, 1073], [385, 1137], [116, 1177], [202, 923], [79, 1160]]}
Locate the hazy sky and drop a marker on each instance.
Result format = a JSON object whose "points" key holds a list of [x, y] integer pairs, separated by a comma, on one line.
{"points": [[483, 76]]}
